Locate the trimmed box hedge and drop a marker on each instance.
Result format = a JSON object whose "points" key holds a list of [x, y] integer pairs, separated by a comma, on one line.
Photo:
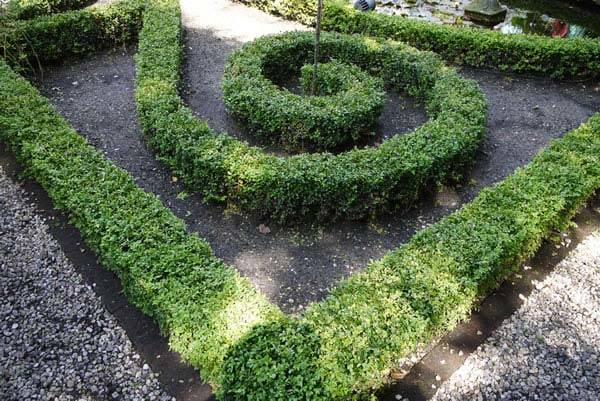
{"points": [[25, 9], [202, 303], [26, 43], [351, 185], [346, 107], [341, 348], [559, 58]]}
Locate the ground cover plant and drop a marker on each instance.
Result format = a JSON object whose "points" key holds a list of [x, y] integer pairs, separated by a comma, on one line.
{"points": [[341, 348], [559, 58]]}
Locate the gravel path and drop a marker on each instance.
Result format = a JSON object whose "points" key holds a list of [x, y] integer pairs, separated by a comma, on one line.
{"points": [[550, 348], [294, 266], [57, 342]]}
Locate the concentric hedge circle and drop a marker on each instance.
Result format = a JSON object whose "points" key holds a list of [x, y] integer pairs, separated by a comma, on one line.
{"points": [[351, 185], [350, 102]]}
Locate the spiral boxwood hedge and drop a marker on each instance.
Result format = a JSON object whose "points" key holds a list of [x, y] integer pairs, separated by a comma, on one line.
{"points": [[347, 108], [342, 348], [533, 54], [350, 185]]}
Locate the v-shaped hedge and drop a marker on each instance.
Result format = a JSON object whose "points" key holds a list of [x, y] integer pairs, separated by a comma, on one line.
{"points": [[342, 348]]}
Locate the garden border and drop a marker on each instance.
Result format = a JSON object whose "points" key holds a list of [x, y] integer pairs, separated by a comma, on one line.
{"points": [[533, 54], [52, 38], [18, 9], [323, 186], [342, 347]]}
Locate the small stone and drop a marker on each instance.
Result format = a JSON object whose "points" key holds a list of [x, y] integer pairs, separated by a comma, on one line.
{"points": [[263, 229]]}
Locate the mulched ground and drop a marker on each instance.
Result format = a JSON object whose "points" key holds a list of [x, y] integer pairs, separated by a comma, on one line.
{"points": [[297, 265]]}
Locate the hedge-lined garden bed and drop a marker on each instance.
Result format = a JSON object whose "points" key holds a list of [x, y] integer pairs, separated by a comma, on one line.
{"points": [[559, 58], [320, 186], [342, 348], [202, 303]]}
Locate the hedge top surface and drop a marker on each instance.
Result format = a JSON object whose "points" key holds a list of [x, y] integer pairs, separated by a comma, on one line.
{"points": [[353, 184], [559, 58], [347, 108]]}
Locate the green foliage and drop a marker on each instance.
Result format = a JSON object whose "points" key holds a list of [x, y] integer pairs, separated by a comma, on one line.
{"points": [[351, 185], [346, 111], [342, 348], [559, 58], [203, 304], [25, 9], [24, 44], [424, 287], [275, 361]]}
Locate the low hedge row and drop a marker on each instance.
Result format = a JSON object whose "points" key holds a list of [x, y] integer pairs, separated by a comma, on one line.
{"points": [[346, 109], [323, 186], [26, 43], [341, 348], [559, 58], [350, 341], [25, 9], [202, 303]]}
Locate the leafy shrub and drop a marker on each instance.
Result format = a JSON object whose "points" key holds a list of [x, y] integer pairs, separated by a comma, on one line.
{"points": [[25, 9], [25, 44], [351, 185], [423, 288], [559, 58], [347, 109], [341, 348], [202, 303]]}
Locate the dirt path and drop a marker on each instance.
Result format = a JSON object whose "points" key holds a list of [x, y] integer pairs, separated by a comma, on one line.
{"points": [[294, 266]]}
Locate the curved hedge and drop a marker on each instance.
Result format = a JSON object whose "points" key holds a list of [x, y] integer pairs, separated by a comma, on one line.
{"points": [[26, 43], [351, 185], [559, 58], [345, 108], [342, 348], [419, 290]]}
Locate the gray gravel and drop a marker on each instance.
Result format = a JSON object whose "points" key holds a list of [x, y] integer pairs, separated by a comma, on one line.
{"points": [[550, 348], [57, 342]]}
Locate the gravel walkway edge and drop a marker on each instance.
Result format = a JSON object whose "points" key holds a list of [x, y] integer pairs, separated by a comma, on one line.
{"points": [[57, 341]]}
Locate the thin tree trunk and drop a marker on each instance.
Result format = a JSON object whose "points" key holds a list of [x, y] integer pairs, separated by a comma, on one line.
{"points": [[317, 42]]}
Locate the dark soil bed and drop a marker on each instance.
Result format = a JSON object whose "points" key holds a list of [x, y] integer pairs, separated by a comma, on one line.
{"points": [[294, 266]]}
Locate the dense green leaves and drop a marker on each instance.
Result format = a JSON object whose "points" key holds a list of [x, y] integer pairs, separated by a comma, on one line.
{"points": [[423, 288], [24, 9], [203, 304], [344, 347], [26, 44], [346, 109], [351, 185], [559, 58]]}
